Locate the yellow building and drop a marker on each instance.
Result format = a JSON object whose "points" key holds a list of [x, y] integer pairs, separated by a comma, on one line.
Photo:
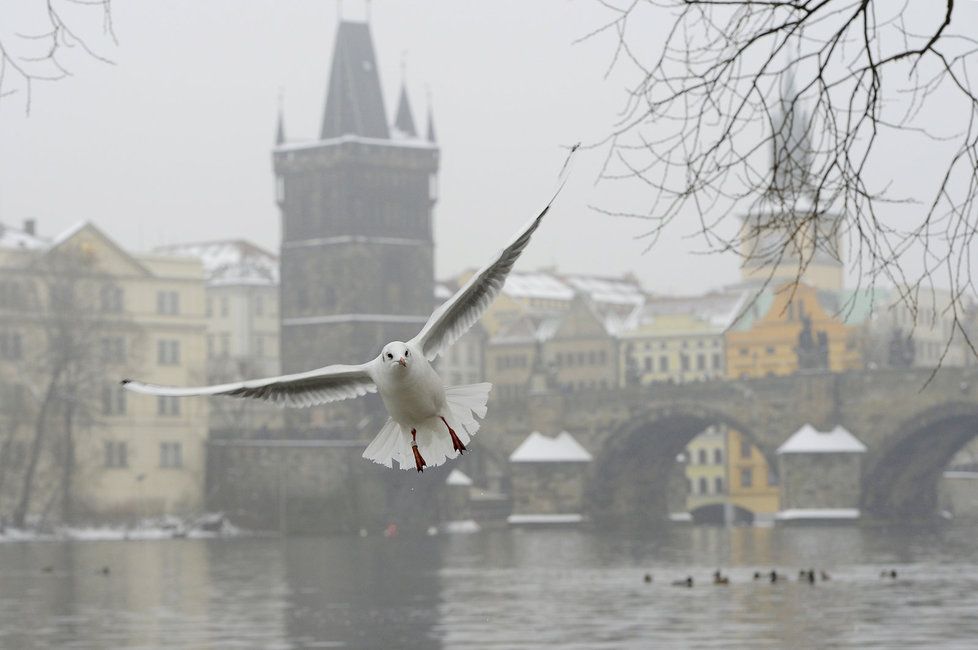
{"points": [[706, 469], [793, 332], [78, 313], [671, 347], [751, 484]]}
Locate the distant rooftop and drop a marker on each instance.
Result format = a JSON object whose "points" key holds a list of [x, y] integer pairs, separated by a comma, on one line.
{"points": [[232, 262], [14, 238], [538, 448], [808, 440]]}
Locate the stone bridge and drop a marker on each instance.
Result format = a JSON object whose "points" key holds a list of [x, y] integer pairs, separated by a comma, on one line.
{"points": [[911, 427]]}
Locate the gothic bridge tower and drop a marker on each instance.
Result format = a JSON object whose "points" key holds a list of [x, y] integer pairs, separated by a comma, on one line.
{"points": [[357, 266]]}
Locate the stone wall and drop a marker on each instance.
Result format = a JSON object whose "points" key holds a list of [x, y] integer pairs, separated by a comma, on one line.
{"points": [[548, 488], [820, 480]]}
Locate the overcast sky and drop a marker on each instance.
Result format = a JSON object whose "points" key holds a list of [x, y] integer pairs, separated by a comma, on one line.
{"points": [[172, 143]]}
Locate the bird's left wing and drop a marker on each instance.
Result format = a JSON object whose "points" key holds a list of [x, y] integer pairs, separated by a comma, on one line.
{"points": [[327, 384], [460, 312]]}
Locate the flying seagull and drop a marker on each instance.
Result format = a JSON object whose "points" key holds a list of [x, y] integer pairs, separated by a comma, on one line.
{"points": [[422, 409]]}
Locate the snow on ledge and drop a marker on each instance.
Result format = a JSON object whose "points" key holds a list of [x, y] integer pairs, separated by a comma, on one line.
{"points": [[518, 520], [538, 448], [817, 514], [808, 440]]}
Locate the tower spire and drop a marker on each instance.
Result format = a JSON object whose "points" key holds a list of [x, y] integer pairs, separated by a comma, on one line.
{"points": [[354, 102], [280, 127], [404, 118], [430, 136]]}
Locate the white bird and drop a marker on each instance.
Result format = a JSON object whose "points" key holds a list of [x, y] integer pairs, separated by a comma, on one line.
{"points": [[422, 410]]}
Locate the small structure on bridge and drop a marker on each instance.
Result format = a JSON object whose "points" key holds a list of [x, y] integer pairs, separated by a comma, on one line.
{"points": [[548, 476], [820, 475]]}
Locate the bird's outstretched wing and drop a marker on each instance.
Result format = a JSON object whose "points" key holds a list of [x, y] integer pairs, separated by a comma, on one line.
{"points": [[460, 312], [327, 384]]}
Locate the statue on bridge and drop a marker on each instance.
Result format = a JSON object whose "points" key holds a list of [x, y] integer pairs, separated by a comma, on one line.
{"points": [[812, 348]]}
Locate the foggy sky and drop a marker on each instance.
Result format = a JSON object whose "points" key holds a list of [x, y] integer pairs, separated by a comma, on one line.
{"points": [[172, 144]]}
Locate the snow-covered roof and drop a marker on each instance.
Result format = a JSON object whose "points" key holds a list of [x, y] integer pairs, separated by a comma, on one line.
{"points": [[19, 239], [808, 440], [230, 262], [537, 285], [538, 448], [618, 291], [458, 478]]}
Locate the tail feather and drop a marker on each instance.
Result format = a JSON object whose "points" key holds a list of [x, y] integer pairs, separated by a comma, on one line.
{"points": [[463, 403]]}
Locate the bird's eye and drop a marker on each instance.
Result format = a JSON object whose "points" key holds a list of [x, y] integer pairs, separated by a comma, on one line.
{"points": [[390, 356], [407, 353]]}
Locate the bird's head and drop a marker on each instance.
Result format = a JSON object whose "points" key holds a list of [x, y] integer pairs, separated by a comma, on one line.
{"points": [[397, 355]]}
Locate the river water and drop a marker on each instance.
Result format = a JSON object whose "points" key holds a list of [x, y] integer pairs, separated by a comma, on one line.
{"points": [[497, 589]]}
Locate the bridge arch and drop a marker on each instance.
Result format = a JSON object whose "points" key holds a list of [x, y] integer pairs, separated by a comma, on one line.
{"points": [[635, 469], [901, 480]]}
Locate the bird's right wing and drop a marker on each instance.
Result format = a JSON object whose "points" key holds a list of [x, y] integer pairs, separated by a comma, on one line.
{"points": [[460, 312], [327, 384]]}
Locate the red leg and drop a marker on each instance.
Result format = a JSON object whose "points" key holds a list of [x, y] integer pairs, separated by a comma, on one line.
{"points": [[459, 447], [418, 460]]}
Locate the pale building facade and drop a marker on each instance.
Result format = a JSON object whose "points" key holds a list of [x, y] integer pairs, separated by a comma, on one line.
{"points": [[79, 313], [242, 312]]}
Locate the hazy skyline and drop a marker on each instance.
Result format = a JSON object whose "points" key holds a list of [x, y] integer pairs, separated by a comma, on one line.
{"points": [[173, 143]]}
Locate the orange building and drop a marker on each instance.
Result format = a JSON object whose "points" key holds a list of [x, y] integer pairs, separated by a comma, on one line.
{"points": [[795, 333]]}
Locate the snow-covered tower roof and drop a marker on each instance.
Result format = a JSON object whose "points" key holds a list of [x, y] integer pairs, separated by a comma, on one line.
{"points": [[538, 448], [808, 440]]}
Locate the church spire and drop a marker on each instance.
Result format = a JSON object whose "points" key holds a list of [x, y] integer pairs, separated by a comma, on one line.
{"points": [[404, 121], [354, 102]]}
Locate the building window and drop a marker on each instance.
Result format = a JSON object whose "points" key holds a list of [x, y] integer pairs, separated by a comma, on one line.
{"points": [[718, 457], [11, 346], [116, 455], [746, 477], [745, 352], [111, 299], [745, 448], [171, 454], [113, 349], [113, 400], [769, 350], [648, 364], [772, 477], [702, 457], [701, 362], [684, 362], [167, 302], [718, 485], [168, 352], [704, 486], [663, 364], [166, 405], [717, 362]]}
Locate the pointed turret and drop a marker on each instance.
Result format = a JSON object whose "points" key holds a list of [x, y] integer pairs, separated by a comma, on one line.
{"points": [[404, 120], [431, 124], [354, 102], [280, 128]]}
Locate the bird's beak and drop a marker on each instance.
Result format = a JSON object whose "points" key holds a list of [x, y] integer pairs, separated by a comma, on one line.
{"points": [[402, 361]]}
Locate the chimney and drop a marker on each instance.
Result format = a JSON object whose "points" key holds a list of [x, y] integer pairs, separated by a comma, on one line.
{"points": [[30, 225]]}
